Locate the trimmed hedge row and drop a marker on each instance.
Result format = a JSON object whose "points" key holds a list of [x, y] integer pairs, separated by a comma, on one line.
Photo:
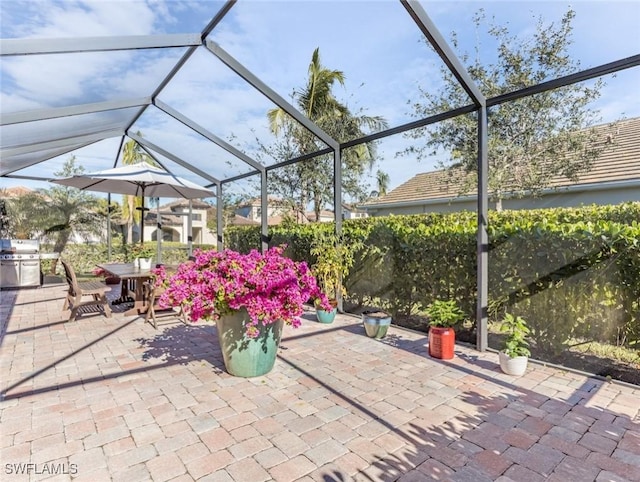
{"points": [[572, 273], [85, 257]]}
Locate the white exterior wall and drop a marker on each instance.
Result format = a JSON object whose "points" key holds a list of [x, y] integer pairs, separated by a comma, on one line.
{"points": [[254, 212], [200, 232]]}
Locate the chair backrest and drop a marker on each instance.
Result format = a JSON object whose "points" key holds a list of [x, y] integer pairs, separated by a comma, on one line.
{"points": [[70, 274]]}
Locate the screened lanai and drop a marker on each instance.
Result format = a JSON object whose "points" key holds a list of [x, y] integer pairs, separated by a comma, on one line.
{"points": [[192, 82], [86, 91]]}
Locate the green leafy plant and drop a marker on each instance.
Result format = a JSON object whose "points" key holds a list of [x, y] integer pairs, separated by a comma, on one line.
{"points": [[333, 261], [444, 313], [141, 251], [517, 330]]}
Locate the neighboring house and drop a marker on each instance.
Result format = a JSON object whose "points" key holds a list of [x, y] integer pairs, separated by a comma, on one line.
{"points": [[350, 211], [237, 220], [326, 216], [231, 220], [253, 210], [277, 211], [613, 179], [174, 219], [14, 191]]}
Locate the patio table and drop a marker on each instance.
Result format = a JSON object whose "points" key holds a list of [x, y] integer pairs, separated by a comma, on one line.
{"points": [[133, 279]]}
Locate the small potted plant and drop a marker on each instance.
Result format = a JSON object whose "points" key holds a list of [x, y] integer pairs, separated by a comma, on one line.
{"points": [[332, 264], [142, 256], [443, 315], [376, 323], [515, 355]]}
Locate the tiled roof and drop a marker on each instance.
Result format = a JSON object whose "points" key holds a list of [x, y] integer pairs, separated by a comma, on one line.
{"points": [[621, 163], [271, 200], [165, 219], [237, 220], [184, 203], [15, 191]]}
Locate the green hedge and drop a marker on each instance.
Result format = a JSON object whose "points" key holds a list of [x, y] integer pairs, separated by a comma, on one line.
{"points": [[573, 274], [85, 257]]}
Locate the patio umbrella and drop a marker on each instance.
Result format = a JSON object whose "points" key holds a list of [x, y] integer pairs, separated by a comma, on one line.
{"points": [[141, 179]]}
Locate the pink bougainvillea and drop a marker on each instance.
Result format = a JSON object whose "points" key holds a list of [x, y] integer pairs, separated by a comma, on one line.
{"points": [[269, 285]]}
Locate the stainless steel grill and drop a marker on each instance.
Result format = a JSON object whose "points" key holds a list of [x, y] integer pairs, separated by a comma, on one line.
{"points": [[19, 263]]}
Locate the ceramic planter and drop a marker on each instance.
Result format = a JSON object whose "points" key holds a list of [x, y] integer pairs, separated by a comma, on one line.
{"points": [[143, 263], [243, 356], [516, 366], [442, 341], [376, 323], [325, 316]]}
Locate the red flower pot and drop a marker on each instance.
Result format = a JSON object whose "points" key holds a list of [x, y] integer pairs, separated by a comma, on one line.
{"points": [[441, 342]]}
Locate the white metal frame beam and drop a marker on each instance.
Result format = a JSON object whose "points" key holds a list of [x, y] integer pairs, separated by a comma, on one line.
{"points": [[80, 109], [144, 142], [11, 47], [61, 142], [167, 109], [7, 166]]}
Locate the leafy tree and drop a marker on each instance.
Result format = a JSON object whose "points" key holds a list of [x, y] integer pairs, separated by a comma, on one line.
{"points": [[5, 222], [117, 223], [311, 182], [531, 140]]}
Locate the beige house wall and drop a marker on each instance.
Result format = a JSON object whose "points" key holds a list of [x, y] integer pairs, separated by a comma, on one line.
{"points": [[586, 195]]}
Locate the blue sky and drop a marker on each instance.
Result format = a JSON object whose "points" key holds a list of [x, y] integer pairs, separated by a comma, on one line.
{"points": [[375, 43]]}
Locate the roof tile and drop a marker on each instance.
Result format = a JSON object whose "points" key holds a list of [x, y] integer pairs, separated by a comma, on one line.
{"points": [[621, 163]]}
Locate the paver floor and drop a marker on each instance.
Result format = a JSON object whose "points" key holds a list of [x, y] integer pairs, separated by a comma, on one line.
{"points": [[113, 399]]}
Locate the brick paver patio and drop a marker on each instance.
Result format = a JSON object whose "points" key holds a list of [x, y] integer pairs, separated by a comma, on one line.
{"points": [[114, 399]]}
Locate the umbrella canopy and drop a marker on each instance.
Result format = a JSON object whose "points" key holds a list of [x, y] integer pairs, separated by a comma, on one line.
{"points": [[141, 179]]}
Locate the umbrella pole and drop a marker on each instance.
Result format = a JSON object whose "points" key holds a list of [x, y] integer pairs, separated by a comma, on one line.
{"points": [[158, 234], [142, 220], [190, 230], [109, 227]]}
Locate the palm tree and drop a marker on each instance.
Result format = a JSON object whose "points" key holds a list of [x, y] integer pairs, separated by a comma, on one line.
{"points": [[132, 154], [382, 178], [64, 211], [313, 180]]}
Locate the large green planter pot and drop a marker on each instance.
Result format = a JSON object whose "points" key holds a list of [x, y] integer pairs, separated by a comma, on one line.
{"points": [[376, 323], [243, 356]]}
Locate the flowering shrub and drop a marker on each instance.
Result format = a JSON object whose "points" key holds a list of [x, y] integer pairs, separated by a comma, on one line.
{"points": [[270, 286], [160, 277]]}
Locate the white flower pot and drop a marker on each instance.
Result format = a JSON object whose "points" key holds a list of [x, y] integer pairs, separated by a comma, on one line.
{"points": [[144, 263], [515, 366]]}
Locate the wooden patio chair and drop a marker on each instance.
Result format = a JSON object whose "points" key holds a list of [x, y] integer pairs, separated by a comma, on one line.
{"points": [[154, 312], [74, 300]]}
